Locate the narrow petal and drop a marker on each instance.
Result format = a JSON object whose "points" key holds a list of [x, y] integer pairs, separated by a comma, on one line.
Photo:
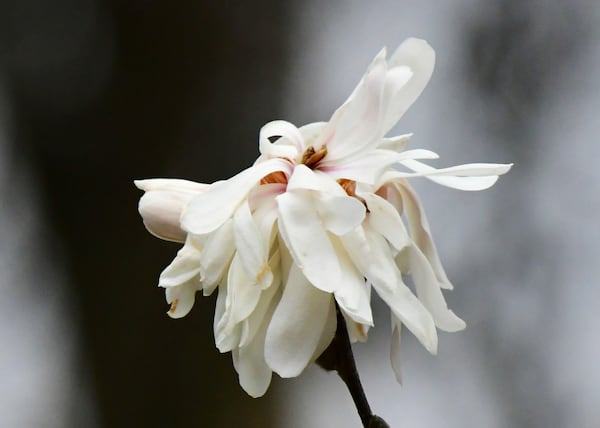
{"points": [[249, 361], [269, 297], [430, 293], [419, 57], [181, 299], [185, 266], [371, 254], [216, 255], [295, 331], [307, 241], [355, 126], [242, 294], [209, 210], [421, 232], [468, 177], [366, 168], [251, 247], [354, 295], [395, 349]]}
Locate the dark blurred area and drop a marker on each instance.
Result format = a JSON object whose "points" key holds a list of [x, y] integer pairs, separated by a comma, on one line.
{"points": [[103, 93]]}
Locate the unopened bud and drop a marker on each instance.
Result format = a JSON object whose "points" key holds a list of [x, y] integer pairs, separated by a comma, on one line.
{"points": [[162, 204]]}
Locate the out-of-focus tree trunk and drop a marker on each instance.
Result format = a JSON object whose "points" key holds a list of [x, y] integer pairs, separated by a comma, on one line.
{"points": [[186, 87]]}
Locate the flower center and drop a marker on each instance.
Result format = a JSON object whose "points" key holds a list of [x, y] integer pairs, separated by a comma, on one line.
{"points": [[311, 157]]}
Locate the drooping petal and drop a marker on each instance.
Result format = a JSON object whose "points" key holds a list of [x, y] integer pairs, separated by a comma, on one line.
{"points": [[185, 266], [162, 204], [181, 298], [268, 298], [372, 256], [430, 293], [216, 255], [296, 328], [354, 295], [419, 57], [209, 210], [251, 247], [226, 339], [395, 348], [242, 294], [249, 361], [420, 231], [307, 241]]}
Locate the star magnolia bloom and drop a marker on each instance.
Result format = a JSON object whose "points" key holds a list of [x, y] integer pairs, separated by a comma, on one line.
{"points": [[315, 222]]}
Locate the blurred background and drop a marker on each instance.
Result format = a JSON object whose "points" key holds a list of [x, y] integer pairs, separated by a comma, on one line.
{"points": [[94, 94]]}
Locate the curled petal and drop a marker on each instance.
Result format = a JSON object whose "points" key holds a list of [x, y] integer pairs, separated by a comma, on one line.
{"points": [[289, 145]]}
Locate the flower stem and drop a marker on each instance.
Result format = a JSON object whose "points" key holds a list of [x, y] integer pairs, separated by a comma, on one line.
{"points": [[339, 357]]}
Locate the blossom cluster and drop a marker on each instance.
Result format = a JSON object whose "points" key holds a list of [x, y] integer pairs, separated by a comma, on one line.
{"points": [[324, 216]]}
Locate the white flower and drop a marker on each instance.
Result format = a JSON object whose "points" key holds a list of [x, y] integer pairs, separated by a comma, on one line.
{"points": [[316, 221]]}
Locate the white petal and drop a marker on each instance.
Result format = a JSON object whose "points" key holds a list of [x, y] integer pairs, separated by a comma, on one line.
{"points": [[184, 267], [162, 204], [225, 339], [328, 332], [421, 233], [468, 177], [353, 295], [242, 294], [340, 214], [249, 362], [355, 126], [251, 247], [366, 168], [288, 146], [216, 255], [209, 210], [295, 331], [266, 304], [371, 254], [396, 144], [419, 57], [304, 178], [181, 299], [386, 220], [307, 241], [395, 349], [171, 184], [430, 293]]}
